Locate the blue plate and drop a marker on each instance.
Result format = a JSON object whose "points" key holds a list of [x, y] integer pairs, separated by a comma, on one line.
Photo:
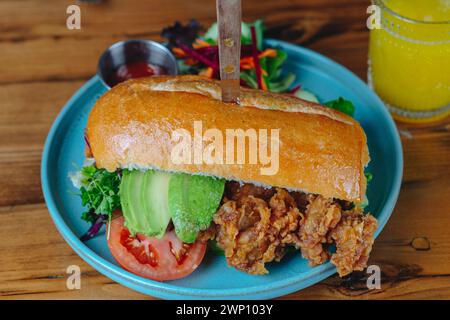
{"points": [[63, 152]]}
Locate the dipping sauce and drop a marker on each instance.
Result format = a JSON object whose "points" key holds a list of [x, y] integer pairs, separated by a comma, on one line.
{"points": [[136, 69]]}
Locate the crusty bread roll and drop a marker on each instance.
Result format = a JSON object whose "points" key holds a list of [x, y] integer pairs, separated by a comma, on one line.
{"points": [[321, 151]]}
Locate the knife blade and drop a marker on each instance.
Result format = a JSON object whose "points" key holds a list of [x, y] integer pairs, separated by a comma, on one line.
{"points": [[229, 25]]}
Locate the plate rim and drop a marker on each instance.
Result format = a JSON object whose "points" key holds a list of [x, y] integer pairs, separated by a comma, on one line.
{"points": [[168, 290]]}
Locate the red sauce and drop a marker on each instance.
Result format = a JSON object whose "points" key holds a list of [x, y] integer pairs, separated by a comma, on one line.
{"points": [[136, 69]]}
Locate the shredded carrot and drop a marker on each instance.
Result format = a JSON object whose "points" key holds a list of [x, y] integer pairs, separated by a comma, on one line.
{"points": [[206, 44], [179, 52], [247, 65], [270, 53], [190, 61], [247, 60], [199, 43], [208, 72], [263, 84]]}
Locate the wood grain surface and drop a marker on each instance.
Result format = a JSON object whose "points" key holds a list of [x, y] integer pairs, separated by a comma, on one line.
{"points": [[42, 64]]}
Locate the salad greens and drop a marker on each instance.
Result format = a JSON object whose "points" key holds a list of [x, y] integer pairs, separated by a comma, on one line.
{"points": [[198, 54], [99, 191], [342, 105]]}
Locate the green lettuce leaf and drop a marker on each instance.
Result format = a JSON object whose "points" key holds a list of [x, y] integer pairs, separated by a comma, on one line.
{"points": [[342, 105]]}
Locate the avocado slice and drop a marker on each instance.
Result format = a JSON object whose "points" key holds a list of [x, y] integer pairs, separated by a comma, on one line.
{"points": [[143, 196], [123, 193], [130, 198], [193, 201], [155, 201]]}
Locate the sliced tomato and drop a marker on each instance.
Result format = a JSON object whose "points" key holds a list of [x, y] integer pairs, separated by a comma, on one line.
{"points": [[162, 259]]}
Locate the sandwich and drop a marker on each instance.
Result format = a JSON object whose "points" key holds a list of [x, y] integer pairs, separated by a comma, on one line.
{"points": [[183, 169]]}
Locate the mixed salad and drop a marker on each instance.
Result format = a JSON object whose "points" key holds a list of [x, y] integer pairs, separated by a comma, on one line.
{"points": [[261, 66]]}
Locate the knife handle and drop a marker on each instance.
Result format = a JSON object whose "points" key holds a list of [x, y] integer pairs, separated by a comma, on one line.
{"points": [[229, 26]]}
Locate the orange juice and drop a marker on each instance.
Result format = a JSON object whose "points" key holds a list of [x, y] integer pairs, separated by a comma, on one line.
{"points": [[409, 58]]}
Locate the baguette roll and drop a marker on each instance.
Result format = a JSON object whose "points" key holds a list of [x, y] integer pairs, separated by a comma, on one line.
{"points": [[321, 151]]}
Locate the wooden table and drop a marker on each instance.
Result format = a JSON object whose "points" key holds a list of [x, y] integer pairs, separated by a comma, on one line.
{"points": [[42, 64]]}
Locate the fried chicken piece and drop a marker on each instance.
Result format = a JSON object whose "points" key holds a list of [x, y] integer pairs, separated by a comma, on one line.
{"points": [[301, 199], [208, 234], [354, 239], [286, 216], [253, 232], [254, 225], [238, 237], [321, 216], [237, 191]]}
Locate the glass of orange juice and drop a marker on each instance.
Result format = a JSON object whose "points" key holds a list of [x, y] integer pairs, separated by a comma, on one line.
{"points": [[409, 58]]}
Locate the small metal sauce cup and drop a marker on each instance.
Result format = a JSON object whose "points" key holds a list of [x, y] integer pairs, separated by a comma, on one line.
{"points": [[124, 52]]}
